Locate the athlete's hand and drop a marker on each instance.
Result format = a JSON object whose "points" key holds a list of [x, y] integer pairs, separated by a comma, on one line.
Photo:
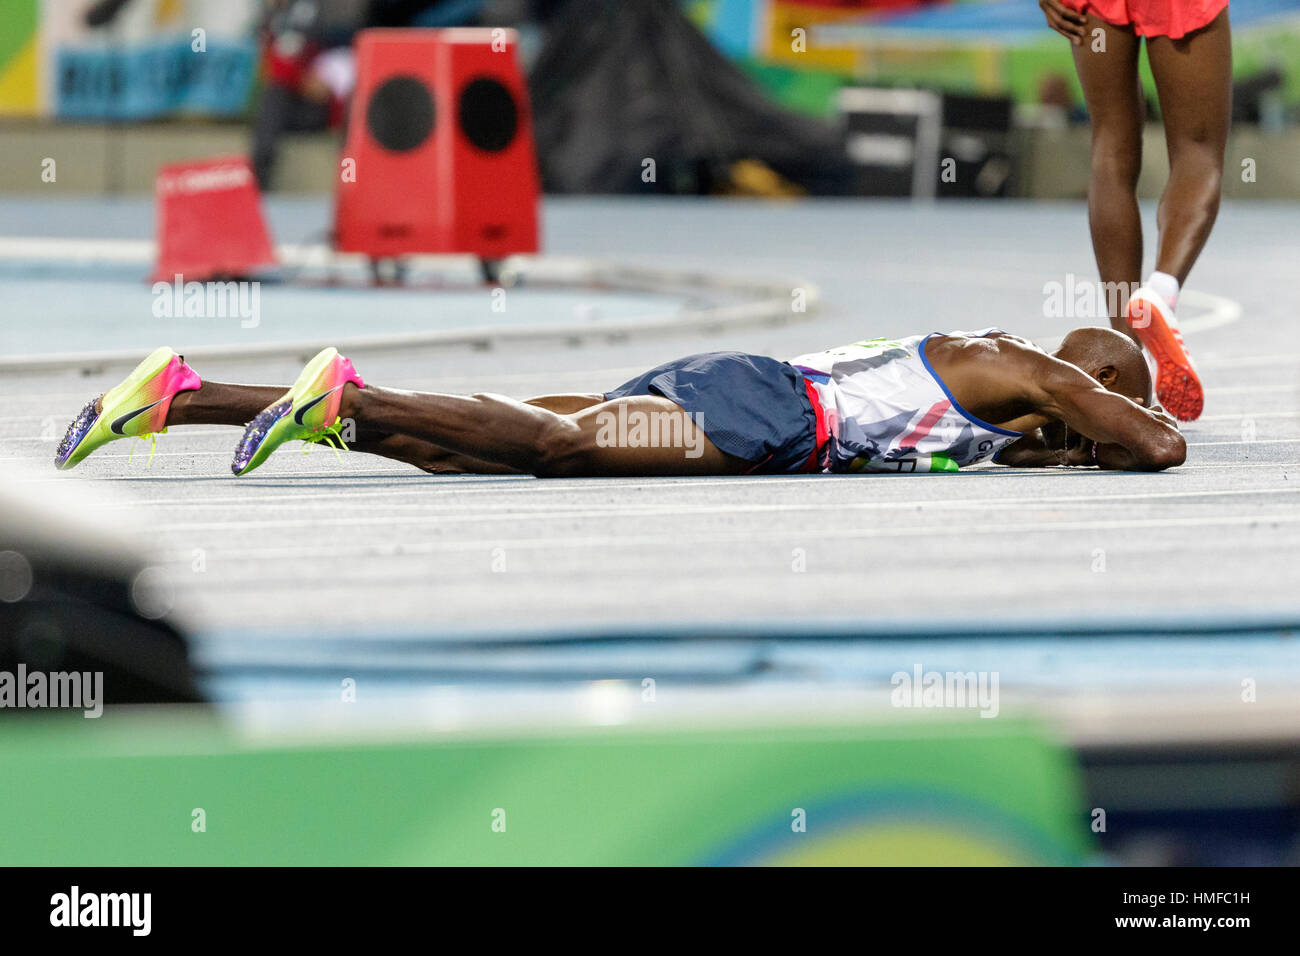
{"points": [[1077, 449], [1068, 23], [1158, 411], [1128, 436]]}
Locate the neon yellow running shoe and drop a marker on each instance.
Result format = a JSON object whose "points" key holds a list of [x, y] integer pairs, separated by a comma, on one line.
{"points": [[137, 407], [309, 411]]}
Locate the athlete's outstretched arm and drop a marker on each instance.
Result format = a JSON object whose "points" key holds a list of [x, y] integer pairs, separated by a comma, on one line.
{"points": [[1127, 436]]}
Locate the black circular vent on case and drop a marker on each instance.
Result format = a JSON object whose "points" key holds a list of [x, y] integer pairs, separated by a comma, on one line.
{"points": [[488, 115], [400, 113]]}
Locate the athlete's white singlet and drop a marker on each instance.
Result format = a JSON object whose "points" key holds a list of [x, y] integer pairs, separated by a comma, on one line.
{"points": [[885, 409]]}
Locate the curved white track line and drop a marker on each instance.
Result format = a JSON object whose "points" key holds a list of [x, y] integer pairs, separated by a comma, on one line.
{"points": [[1220, 311], [771, 302]]}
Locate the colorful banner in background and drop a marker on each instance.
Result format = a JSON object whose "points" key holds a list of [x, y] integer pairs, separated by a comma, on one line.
{"points": [[177, 789], [987, 47], [143, 66], [156, 58], [19, 59]]}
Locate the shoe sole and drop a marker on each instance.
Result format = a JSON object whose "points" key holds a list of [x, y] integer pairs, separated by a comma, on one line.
{"points": [[1178, 387], [266, 433]]}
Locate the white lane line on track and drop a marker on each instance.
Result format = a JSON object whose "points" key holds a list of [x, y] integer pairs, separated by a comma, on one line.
{"points": [[515, 512], [350, 497], [526, 484], [1221, 311], [347, 497], [1244, 415], [1257, 441], [1252, 389], [1249, 361], [485, 544]]}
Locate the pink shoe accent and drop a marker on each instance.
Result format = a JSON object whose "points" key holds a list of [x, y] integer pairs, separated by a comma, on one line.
{"points": [[343, 374], [349, 373], [176, 378]]}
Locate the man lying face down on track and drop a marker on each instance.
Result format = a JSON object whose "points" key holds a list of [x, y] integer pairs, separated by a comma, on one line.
{"points": [[923, 403]]}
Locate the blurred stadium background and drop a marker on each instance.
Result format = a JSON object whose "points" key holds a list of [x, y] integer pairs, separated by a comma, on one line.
{"points": [[1010, 104], [650, 682]]}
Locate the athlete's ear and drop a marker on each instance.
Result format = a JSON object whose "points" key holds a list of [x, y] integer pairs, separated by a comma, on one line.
{"points": [[1107, 375]]}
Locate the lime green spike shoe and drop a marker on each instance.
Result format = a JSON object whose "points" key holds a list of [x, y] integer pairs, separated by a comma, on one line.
{"points": [[137, 407], [309, 411]]}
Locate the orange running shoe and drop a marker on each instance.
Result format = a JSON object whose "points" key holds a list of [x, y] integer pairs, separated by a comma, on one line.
{"points": [[1178, 387]]}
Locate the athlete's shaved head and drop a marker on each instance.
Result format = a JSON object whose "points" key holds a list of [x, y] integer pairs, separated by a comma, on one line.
{"points": [[1112, 358]]}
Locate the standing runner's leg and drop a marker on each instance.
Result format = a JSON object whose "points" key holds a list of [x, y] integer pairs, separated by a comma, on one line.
{"points": [[1193, 77], [1107, 65], [217, 403], [539, 441]]}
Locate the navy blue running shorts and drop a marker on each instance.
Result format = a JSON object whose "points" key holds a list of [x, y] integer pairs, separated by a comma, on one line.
{"points": [[750, 406]]}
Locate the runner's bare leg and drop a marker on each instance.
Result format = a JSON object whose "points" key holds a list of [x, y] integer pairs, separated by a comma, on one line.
{"points": [[1193, 76], [1108, 72]]}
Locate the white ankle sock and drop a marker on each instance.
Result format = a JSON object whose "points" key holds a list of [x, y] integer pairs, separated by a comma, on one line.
{"points": [[1165, 286]]}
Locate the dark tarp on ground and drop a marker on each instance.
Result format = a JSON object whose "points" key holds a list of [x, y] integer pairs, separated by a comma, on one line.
{"points": [[617, 83]]}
